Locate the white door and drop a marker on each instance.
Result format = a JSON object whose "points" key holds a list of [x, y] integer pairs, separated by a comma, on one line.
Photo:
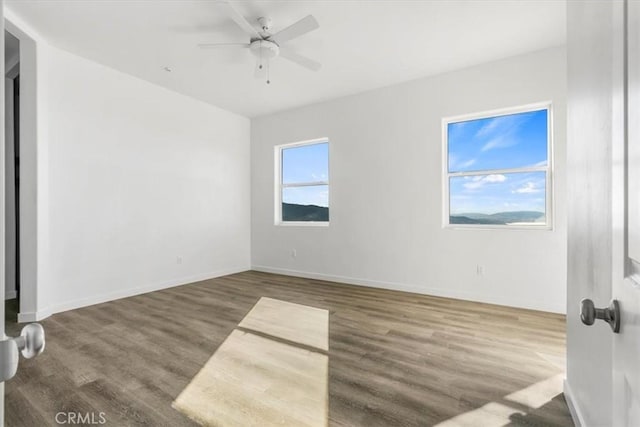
{"points": [[625, 286], [2, 152], [603, 367]]}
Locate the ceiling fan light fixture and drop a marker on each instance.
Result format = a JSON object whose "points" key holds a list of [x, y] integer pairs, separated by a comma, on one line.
{"points": [[264, 49]]}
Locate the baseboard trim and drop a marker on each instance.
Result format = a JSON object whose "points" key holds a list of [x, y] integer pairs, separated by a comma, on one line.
{"points": [[99, 299], [574, 409], [12, 294], [34, 316], [404, 287]]}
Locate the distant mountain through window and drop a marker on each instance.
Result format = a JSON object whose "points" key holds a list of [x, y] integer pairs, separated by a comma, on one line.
{"points": [[294, 212], [500, 218]]}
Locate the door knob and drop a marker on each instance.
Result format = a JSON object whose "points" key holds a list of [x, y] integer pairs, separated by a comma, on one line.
{"points": [[31, 340], [589, 313], [30, 343]]}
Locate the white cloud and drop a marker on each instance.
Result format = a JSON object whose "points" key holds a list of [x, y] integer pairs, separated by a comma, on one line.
{"points": [[500, 124], [495, 178], [479, 181], [539, 164], [491, 126], [528, 188], [456, 164], [499, 142], [500, 131], [468, 163]]}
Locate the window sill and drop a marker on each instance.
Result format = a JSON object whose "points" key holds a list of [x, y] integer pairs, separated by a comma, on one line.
{"points": [[546, 227], [303, 223]]}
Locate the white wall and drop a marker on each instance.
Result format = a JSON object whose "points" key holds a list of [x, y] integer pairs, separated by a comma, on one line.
{"points": [[590, 35], [386, 197], [133, 177]]}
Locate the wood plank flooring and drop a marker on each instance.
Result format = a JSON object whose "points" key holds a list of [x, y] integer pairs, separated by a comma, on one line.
{"points": [[272, 370], [395, 359]]}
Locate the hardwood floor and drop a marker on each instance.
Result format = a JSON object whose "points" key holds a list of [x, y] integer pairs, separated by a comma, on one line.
{"points": [[395, 359], [272, 370]]}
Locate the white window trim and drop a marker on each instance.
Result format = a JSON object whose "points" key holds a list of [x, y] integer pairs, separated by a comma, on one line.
{"points": [[549, 188], [279, 186]]}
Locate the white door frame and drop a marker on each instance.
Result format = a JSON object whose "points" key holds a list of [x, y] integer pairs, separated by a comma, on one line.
{"points": [[2, 231], [30, 242]]}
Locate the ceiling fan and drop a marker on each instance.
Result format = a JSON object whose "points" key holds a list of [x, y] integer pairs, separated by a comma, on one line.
{"points": [[264, 45]]}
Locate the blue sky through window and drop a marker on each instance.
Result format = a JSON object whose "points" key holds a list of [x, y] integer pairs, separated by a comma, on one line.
{"points": [[503, 142], [307, 163]]}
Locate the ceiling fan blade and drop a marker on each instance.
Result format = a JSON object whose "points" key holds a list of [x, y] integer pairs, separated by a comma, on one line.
{"points": [[217, 45], [240, 20], [303, 61], [303, 26]]}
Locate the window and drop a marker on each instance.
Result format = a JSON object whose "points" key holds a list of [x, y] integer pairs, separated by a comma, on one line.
{"points": [[497, 169], [302, 190]]}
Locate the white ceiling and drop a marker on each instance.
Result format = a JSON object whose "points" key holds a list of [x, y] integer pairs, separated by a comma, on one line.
{"points": [[362, 44]]}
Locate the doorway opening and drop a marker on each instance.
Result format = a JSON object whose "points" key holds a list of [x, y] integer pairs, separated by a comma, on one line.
{"points": [[12, 176]]}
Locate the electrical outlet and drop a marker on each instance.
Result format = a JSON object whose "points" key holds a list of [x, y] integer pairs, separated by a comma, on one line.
{"points": [[294, 253], [179, 260], [480, 270]]}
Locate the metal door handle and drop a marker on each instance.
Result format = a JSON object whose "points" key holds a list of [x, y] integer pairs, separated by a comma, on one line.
{"points": [[31, 340], [589, 313], [30, 343]]}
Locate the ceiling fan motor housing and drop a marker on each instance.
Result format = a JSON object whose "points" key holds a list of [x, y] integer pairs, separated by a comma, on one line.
{"points": [[265, 24], [264, 49]]}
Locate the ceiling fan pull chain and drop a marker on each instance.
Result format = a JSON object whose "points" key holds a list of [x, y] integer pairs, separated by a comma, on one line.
{"points": [[260, 67], [268, 81]]}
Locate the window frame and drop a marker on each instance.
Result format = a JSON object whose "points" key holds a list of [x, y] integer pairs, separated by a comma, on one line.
{"points": [[548, 169], [280, 186]]}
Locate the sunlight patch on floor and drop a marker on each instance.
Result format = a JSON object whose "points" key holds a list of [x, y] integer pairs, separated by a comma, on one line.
{"points": [[494, 414], [538, 394], [275, 376], [293, 322]]}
